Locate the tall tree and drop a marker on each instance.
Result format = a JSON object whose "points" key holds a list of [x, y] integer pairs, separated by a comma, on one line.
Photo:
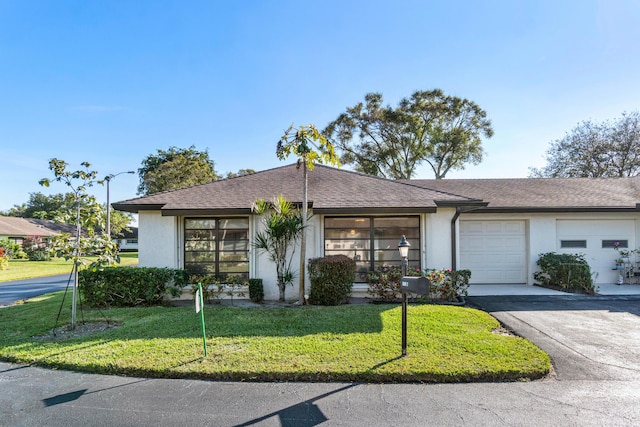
{"points": [[444, 131], [175, 168], [42, 206], [241, 172], [310, 146], [595, 150], [283, 225]]}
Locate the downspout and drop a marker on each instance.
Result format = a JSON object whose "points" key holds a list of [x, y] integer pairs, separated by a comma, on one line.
{"points": [[454, 219], [454, 251]]}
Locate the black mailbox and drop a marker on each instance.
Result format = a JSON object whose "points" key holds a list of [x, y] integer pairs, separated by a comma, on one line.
{"points": [[416, 285]]}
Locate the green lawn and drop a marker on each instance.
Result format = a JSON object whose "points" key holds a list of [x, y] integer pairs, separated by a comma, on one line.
{"points": [[24, 269], [346, 343]]}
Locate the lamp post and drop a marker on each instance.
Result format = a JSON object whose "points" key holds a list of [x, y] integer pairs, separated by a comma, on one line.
{"points": [[108, 179], [403, 248]]}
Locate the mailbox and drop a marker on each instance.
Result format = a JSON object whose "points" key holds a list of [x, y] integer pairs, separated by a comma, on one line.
{"points": [[416, 285]]}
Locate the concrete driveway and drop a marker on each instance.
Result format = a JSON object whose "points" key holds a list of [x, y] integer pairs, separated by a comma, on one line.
{"points": [[587, 337]]}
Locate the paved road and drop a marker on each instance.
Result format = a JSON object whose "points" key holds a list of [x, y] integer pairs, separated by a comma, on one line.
{"points": [[17, 290], [41, 397], [593, 342]]}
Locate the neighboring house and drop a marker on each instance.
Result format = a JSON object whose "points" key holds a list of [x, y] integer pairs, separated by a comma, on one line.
{"points": [[496, 228], [17, 229], [127, 241]]}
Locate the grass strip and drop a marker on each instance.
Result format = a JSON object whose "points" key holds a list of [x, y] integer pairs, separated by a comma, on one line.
{"points": [[360, 343]]}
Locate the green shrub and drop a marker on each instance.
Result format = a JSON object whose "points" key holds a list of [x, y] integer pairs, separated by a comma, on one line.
{"points": [[256, 290], [384, 282], [568, 272], [213, 288], [12, 250], [448, 285], [129, 287], [36, 249], [331, 279]]}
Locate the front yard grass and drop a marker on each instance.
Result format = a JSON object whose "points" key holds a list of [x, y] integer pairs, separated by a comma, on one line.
{"points": [[19, 269], [359, 343]]}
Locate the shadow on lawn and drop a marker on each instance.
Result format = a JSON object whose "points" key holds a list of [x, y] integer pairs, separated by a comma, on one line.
{"points": [[171, 322]]}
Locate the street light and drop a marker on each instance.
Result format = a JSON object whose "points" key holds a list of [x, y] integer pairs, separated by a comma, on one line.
{"points": [[403, 248], [108, 179]]}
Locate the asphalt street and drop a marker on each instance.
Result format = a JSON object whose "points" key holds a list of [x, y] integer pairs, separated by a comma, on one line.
{"points": [[594, 343], [11, 292]]}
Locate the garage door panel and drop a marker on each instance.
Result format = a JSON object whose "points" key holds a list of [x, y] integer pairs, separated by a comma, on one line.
{"points": [[494, 251], [493, 228], [513, 243], [514, 227], [471, 227], [472, 243]]}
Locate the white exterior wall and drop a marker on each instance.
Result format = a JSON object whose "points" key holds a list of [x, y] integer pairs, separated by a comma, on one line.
{"points": [[158, 240], [263, 268], [437, 239]]}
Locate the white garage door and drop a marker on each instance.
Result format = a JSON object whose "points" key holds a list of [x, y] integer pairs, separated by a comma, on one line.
{"points": [[494, 251]]}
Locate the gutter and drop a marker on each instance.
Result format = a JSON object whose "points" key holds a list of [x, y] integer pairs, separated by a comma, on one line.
{"points": [[460, 208]]}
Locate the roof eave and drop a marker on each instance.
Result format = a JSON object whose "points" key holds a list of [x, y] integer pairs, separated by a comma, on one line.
{"points": [[555, 209], [136, 208], [477, 203], [205, 212], [373, 210]]}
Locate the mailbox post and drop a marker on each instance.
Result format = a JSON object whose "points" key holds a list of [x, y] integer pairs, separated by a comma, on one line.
{"points": [[416, 285], [403, 248]]}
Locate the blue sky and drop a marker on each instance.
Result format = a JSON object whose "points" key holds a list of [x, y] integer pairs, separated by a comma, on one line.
{"points": [[110, 82]]}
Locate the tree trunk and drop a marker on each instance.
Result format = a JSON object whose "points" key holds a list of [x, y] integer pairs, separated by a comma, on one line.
{"points": [[303, 243]]}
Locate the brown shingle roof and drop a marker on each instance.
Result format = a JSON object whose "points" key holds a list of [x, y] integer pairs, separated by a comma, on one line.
{"points": [[22, 227], [543, 193], [330, 190]]}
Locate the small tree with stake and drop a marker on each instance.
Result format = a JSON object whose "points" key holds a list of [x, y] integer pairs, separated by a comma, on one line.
{"points": [[88, 214], [310, 146]]}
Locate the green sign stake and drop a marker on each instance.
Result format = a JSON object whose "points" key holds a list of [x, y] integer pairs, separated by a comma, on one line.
{"points": [[200, 309]]}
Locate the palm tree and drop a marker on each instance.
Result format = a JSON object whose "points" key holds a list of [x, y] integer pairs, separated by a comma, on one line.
{"points": [[310, 146], [283, 226]]}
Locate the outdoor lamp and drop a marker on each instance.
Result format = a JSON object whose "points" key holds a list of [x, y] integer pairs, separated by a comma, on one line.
{"points": [[403, 247]]}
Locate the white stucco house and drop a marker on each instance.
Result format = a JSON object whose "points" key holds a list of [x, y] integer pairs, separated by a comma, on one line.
{"points": [[494, 227]]}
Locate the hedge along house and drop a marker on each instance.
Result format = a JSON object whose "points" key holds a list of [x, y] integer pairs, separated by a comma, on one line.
{"points": [[495, 228]]}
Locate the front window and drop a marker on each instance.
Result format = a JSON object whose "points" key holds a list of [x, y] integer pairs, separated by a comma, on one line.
{"points": [[217, 246], [372, 241]]}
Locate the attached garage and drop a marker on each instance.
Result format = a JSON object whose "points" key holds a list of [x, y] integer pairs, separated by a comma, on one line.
{"points": [[594, 239], [494, 251]]}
